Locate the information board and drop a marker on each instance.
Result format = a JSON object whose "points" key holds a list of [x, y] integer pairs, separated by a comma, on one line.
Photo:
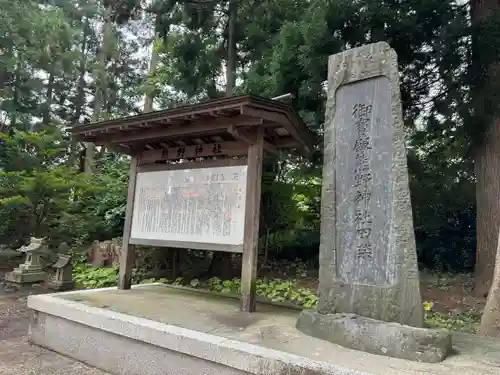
{"points": [[203, 205]]}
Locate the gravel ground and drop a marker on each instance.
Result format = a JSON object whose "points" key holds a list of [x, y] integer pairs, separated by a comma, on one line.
{"points": [[17, 355]]}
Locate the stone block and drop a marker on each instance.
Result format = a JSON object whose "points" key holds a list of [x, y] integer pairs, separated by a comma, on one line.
{"points": [[25, 277], [60, 285], [63, 277], [377, 337], [368, 260]]}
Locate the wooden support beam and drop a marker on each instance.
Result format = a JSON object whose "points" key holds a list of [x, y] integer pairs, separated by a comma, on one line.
{"points": [[117, 148], [249, 139], [194, 129], [234, 148], [241, 135], [127, 255], [219, 163], [290, 142], [252, 216], [287, 142], [276, 117], [217, 114], [282, 119]]}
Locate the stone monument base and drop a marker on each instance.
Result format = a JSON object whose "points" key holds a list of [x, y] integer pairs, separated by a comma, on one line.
{"points": [[377, 337], [25, 277]]}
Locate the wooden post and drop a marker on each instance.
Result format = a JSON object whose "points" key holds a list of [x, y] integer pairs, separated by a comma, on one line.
{"points": [[127, 255], [252, 216]]}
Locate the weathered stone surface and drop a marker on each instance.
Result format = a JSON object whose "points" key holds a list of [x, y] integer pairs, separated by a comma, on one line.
{"points": [[368, 263], [377, 337], [62, 279], [25, 277], [98, 325], [106, 253]]}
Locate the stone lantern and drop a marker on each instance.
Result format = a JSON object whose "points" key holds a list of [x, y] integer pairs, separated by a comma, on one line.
{"points": [[63, 277], [31, 270]]}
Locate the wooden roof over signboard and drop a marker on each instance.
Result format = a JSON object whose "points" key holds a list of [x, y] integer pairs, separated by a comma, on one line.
{"points": [[221, 120]]}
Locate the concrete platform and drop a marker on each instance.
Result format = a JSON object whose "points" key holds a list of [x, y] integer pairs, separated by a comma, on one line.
{"points": [[155, 329]]}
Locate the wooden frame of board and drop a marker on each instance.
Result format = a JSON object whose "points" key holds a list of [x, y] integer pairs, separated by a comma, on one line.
{"points": [[225, 132]]}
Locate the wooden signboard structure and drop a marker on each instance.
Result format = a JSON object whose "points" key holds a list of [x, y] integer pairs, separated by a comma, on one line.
{"points": [[195, 175]]}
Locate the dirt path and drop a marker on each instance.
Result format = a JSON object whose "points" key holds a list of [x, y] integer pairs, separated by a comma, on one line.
{"points": [[17, 355]]}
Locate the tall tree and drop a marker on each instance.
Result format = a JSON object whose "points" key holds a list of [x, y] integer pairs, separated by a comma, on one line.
{"points": [[231, 65], [485, 15], [490, 320], [485, 132], [100, 84], [110, 72], [201, 55], [30, 75], [153, 64]]}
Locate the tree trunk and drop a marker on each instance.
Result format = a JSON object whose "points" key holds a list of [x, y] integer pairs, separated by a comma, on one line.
{"points": [[77, 155], [48, 103], [487, 164], [490, 321], [231, 48], [89, 146], [15, 99], [266, 249], [80, 97], [487, 153], [99, 88], [155, 56]]}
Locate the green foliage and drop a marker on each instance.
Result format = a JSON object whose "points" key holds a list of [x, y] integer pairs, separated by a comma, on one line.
{"points": [[227, 286], [274, 290], [35, 183], [42, 196], [444, 220], [93, 278], [290, 210], [98, 214], [48, 73], [162, 280], [462, 322]]}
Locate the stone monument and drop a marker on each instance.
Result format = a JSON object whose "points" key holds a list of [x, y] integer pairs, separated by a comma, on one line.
{"points": [[368, 278], [63, 277], [31, 270], [106, 253]]}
